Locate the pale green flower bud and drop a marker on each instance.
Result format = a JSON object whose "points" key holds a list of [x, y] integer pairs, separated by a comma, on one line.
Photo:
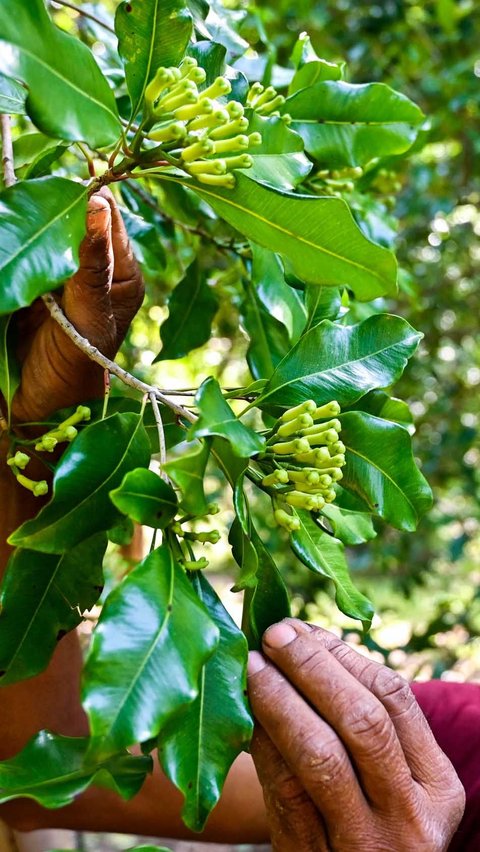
{"points": [[230, 129], [243, 161], [338, 447], [208, 167], [38, 489], [312, 477], [187, 112], [330, 409], [210, 536], [21, 460], [284, 448], [174, 103], [263, 97], [330, 496], [171, 132], [300, 500], [321, 427], [195, 565], [300, 424], [283, 519], [236, 143], [254, 92], [270, 107], [47, 444], [202, 148], [329, 436], [163, 78], [227, 181], [235, 109], [219, 87], [187, 65], [278, 477], [217, 117], [254, 139], [307, 407]]}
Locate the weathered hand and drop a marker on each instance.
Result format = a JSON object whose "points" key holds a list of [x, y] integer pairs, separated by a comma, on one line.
{"points": [[344, 754], [100, 301]]}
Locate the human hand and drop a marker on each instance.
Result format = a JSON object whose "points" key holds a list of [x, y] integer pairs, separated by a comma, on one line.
{"points": [[100, 300], [345, 756]]}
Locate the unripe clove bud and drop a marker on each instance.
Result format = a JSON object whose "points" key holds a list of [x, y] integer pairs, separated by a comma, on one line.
{"points": [[278, 477], [307, 407], [330, 409], [299, 424], [21, 460], [283, 519], [298, 445]]}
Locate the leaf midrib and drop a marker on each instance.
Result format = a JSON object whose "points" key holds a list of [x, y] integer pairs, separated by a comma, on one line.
{"points": [[385, 474]]}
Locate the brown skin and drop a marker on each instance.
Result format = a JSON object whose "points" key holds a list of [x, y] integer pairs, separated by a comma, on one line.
{"points": [[321, 708], [343, 751]]}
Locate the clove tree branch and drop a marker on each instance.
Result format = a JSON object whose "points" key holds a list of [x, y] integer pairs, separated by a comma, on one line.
{"points": [[7, 151]]}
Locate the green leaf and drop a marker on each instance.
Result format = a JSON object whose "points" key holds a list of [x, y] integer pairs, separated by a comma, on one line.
{"points": [[325, 555], [344, 124], [144, 664], [197, 749], [321, 303], [12, 96], [280, 300], [342, 362], [42, 223], [68, 97], [188, 471], [92, 466], [146, 498], [53, 770], [34, 153], [269, 341], [317, 234], [211, 57], [380, 468], [151, 33], [268, 601], [191, 309], [349, 520], [244, 554], [217, 418], [279, 159], [314, 72], [9, 366], [44, 596], [380, 404]]}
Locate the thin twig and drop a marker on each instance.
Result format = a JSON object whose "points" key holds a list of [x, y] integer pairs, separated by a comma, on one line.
{"points": [[161, 435], [95, 355], [7, 151], [83, 14]]}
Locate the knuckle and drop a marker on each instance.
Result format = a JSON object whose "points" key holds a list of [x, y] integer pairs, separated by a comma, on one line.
{"points": [[368, 719], [321, 761], [392, 687]]}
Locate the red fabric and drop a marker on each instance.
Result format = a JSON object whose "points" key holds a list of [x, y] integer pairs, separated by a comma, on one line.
{"points": [[453, 712]]}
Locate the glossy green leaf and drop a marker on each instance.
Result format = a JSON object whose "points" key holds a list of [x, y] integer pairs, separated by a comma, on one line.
{"points": [[197, 749], [187, 471], [68, 98], [280, 300], [12, 96], [345, 124], [210, 55], [279, 160], [342, 362], [43, 596], [317, 234], [146, 498], [349, 520], [314, 72], [380, 404], [53, 770], [122, 533], [191, 309], [244, 554], [269, 341], [42, 223], [325, 555], [151, 33], [321, 303], [381, 469], [144, 665], [92, 466], [34, 153], [217, 418], [9, 365], [267, 602]]}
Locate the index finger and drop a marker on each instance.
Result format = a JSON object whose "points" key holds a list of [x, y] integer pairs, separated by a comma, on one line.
{"points": [[424, 757]]}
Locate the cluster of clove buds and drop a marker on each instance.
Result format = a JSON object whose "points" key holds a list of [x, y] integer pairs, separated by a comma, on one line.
{"points": [[305, 457]]}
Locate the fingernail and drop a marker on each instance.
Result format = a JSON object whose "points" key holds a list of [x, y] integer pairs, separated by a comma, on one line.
{"points": [[255, 662], [279, 635]]}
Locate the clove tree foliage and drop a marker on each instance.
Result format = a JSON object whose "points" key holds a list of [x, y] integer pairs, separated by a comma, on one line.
{"points": [[267, 190]]}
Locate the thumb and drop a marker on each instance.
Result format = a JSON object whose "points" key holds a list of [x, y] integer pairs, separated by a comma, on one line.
{"points": [[86, 299]]}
